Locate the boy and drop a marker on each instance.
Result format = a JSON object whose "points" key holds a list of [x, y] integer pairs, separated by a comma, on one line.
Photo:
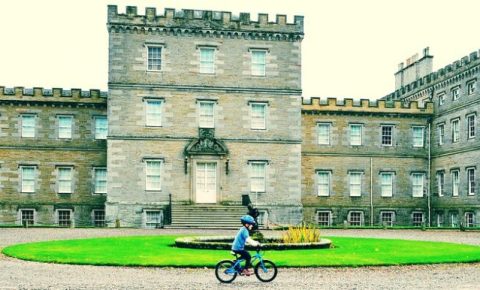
{"points": [[243, 237]]}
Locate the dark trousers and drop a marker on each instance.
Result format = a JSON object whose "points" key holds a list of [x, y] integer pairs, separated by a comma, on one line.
{"points": [[245, 255]]}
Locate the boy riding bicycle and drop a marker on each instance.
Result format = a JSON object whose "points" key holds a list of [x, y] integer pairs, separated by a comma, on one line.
{"points": [[243, 237]]}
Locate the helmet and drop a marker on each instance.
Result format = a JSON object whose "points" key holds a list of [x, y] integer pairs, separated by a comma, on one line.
{"points": [[246, 219]]}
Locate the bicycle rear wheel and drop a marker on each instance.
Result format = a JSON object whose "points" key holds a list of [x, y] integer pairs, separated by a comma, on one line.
{"points": [[225, 272], [265, 271]]}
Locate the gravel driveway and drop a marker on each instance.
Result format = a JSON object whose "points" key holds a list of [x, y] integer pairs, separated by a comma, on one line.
{"points": [[17, 274]]}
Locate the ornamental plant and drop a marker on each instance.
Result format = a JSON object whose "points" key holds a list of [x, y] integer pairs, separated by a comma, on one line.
{"points": [[301, 234]]}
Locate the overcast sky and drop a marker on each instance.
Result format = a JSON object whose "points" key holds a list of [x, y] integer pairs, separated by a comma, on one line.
{"points": [[351, 47]]}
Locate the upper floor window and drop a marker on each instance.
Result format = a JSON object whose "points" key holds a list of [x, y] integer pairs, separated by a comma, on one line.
{"points": [[154, 58], [440, 182], [441, 99], [387, 135], [153, 171], [455, 130], [355, 134], [418, 136], [206, 114], [471, 181], [355, 180], [323, 183], [28, 126], [471, 87], [417, 184], [471, 126], [100, 180], [386, 184], [65, 179], [101, 127], [153, 112], [258, 172], [323, 133], [259, 62], [455, 93], [441, 134], [207, 60], [258, 116], [65, 127], [27, 177], [455, 182]]}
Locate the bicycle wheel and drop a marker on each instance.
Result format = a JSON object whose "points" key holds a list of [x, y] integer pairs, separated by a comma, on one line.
{"points": [[266, 271], [225, 272]]}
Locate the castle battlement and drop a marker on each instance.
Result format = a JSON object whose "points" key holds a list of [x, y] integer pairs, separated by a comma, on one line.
{"points": [[187, 20], [38, 94], [459, 69], [365, 106]]}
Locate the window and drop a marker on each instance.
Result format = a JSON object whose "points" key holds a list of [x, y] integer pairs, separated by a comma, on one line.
{"points": [[258, 62], [454, 220], [258, 176], [153, 175], [386, 184], [27, 217], [64, 217], [387, 135], [471, 87], [455, 182], [153, 219], [440, 182], [154, 58], [439, 219], [471, 126], [65, 179], [455, 130], [28, 174], [28, 126], [355, 180], [417, 219], [355, 218], [355, 134], [258, 116], [207, 60], [455, 93], [441, 99], [153, 113], [387, 218], [441, 134], [417, 184], [206, 114], [324, 218], [469, 219], [100, 180], [65, 127], [471, 181], [323, 183], [101, 127], [99, 218], [323, 133], [418, 136]]}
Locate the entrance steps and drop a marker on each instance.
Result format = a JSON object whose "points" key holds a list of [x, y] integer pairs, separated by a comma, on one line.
{"points": [[206, 216]]}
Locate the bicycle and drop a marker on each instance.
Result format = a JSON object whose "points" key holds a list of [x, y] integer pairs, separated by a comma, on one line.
{"points": [[227, 270]]}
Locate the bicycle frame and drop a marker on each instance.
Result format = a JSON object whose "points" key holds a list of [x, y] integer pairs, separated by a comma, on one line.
{"points": [[237, 265]]}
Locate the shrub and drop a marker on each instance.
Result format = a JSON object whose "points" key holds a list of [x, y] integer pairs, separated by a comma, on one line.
{"points": [[301, 234]]}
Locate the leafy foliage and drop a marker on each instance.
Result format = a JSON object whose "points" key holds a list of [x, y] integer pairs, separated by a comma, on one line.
{"points": [[301, 234]]}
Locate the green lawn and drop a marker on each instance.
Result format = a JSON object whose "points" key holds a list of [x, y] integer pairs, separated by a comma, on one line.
{"points": [[159, 251]]}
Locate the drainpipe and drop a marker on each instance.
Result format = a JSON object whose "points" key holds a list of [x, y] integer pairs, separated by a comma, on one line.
{"points": [[429, 176], [371, 191]]}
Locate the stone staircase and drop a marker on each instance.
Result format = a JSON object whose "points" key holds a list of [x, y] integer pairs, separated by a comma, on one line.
{"points": [[206, 216]]}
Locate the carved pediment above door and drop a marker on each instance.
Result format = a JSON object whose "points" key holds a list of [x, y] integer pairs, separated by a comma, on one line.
{"points": [[206, 144]]}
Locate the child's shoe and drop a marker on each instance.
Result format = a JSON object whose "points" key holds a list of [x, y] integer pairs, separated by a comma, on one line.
{"points": [[247, 272]]}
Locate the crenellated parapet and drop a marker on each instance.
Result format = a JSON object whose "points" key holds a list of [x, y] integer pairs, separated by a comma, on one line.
{"points": [[54, 95], [364, 106], [460, 69], [204, 23]]}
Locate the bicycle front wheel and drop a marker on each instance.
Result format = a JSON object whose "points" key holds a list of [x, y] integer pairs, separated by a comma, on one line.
{"points": [[225, 272], [266, 271]]}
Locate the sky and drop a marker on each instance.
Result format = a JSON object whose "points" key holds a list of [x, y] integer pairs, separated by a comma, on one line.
{"points": [[351, 48]]}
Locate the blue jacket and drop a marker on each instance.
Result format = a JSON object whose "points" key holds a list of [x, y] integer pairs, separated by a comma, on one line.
{"points": [[240, 239]]}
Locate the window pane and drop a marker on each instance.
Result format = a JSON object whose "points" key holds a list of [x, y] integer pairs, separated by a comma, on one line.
{"points": [[471, 126], [258, 62], [154, 58], [455, 183], [101, 127], [355, 135], [207, 60], [418, 136], [455, 130], [153, 178], [65, 127], [387, 138], [206, 115], [471, 181], [28, 126], [323, 131], [386, 180], [64, 218], [417, 184], [99, 218], [355, 183], [28, 179], [154, 113], [100, 180], [64, 180], [258, 116], [257, 176], [323, 183]]}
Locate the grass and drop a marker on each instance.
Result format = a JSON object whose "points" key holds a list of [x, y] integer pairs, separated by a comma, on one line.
{"points": [[159, 251]]}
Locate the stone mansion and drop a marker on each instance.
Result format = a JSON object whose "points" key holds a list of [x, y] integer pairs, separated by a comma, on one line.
{"points": [[205, 108]]}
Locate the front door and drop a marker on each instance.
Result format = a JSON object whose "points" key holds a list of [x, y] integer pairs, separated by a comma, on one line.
{"points": [[206, 182]]}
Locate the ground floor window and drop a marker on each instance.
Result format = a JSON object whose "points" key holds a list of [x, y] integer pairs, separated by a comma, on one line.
{"points": [[387, 218], [417, 219], [355, 218], [98, 218], [454, 220], [439, 219], [469, 219], [64, 217], [27, 217], [153, 219], [324, 218]]}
